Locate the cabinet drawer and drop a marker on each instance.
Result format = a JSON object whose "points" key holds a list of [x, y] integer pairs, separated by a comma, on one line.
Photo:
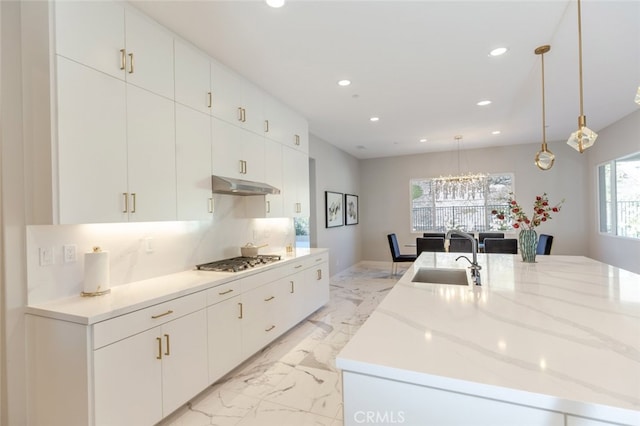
{"points": [[262, 277], [305, 262], [223, 292], [118, 328]]}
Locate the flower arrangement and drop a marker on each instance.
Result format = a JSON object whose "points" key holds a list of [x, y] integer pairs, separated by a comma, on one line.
{"points": [[541, 212]]}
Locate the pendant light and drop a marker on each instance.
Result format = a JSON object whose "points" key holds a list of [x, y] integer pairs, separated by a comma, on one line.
{"points": [[544, 157], [584, 137]]}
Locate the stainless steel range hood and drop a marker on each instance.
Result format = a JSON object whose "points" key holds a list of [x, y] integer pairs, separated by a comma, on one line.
{"points": [[231, 186]]}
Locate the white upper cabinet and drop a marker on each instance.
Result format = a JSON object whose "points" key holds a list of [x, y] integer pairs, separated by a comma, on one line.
{"points": [[295, 183], [117, 41], [285, 126], [273, 176], [237, 153], [91, 33], [193, 77], [193, 164], [151, 156], [92, 145], [149, 55], [236, 100]]}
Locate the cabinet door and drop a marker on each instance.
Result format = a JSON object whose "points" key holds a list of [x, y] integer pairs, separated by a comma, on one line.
{"points": [[259, 325], [300, 137], [295, 182], [227, 94], [252, 103], [184, 360], [193, 79], [273, 176], [317, 286], [151, 156], [226, 149], [276, 115], [91, 33], [92, 145], [253, 155], [151, 48], [127, 378], [224, 325], [193, 164]]}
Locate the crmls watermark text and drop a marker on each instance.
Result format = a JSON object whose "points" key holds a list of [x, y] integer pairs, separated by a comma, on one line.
{"points": [[379, 417]]}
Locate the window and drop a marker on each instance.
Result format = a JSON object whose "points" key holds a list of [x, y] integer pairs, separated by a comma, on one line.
{"points": [[461, 203], [619, 196]]}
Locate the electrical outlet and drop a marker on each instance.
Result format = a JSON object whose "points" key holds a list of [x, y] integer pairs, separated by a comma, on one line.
{"points": [[69, 253], [148, 245], [46, 256]]}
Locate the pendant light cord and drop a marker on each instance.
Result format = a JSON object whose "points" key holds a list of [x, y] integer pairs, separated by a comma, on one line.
{"points": [[580, 56]]}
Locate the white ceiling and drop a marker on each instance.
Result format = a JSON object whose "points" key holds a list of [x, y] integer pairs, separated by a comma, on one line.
{"points": [[421, 66]]}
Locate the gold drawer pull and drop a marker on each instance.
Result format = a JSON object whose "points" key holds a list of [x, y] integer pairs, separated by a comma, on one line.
{"points": [[292, 288], [241, 316], [131, 63], [126, 202], [210, 96], [270, 328], [269, 298], [297, 267], [123, 59], [169, 312], [168, 352], [159, 356], [225, 292]]}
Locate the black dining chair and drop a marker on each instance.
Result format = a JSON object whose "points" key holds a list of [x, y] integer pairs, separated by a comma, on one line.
{"points": [[395, 254], [460, 245], [501, 245], [544, 244], [429, 244], [433, 235], [483, 235]]}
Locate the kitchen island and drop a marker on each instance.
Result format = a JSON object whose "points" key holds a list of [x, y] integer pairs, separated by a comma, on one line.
{"points": [[556, 342]]}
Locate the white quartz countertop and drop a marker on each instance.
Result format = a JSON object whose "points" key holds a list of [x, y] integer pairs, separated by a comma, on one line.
{"points": [[561, 334], [141, 294]]}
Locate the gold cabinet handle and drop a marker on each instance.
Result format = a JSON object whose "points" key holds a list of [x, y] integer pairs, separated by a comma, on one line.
{"points": [[266, 126], [270, 328], [244, 115], [292, 289], [123, 59], [131, 63], [268, 206], [210, 201], [268, 299], [319, 259], [241, 316], [168, 352], [210, 99], [159, 340], [297, 266], [296, 139], [244, 167], [169, 312], [126, 202], [319, 274], [133, 202], [239, 113], [225, 292]]}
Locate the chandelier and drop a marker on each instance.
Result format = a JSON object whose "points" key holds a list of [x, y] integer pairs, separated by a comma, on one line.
{"points": [[460, 186]]}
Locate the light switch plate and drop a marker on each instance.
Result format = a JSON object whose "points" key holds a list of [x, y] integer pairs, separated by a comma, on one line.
{"points": [[69, 253], [46, 256]]}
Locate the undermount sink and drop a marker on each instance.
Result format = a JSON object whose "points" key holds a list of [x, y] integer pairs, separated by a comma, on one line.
{"points": [[441, 276]]}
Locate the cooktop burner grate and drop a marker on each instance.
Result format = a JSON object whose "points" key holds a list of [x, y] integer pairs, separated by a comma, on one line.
{"points": [[237, 264]]}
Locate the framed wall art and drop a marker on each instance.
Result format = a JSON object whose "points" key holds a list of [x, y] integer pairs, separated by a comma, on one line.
{"points": [[334, 209], [350, 209]]}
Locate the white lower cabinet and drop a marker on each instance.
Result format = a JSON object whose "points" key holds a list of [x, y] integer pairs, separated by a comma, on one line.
{"points": [[137, 368], [149, 375]]}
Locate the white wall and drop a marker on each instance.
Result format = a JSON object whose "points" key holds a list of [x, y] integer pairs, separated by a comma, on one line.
{"points": [[335, 171], [385, 204], [615, 141]]}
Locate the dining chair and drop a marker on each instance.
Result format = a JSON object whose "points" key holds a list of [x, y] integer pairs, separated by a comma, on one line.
{"points": [[460, 245], [429, 244], [501, 245], [483, 235], [396, 257], [544, 244]]}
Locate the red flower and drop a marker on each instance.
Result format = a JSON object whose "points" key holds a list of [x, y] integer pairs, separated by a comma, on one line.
{"points": [[515, 225], [518, 218]]}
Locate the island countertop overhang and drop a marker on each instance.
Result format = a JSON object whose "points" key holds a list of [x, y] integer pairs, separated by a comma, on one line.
{"points": [[562, 334]]}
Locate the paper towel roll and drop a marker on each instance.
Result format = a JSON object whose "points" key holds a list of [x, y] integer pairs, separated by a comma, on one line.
{"points": [[96, 272]]}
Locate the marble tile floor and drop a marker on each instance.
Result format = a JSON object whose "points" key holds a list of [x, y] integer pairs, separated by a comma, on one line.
{"points": [[294, 380]]}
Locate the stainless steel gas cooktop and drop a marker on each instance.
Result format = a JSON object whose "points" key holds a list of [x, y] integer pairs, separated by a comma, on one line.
{"points": [[236, 264]]}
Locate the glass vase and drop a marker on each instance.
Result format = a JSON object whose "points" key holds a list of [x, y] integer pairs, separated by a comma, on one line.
{"points": [[528, 241]]}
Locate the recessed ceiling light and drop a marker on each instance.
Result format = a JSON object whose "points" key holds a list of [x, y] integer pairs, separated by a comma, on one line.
{"points": [[498, 51], [344, 83], [496, 132], [483, 103], [275, 3], [374, 119], [423, 140]]}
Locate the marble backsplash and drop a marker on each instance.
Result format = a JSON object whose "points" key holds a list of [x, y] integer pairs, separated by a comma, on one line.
{"points": [[139, 251]]}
